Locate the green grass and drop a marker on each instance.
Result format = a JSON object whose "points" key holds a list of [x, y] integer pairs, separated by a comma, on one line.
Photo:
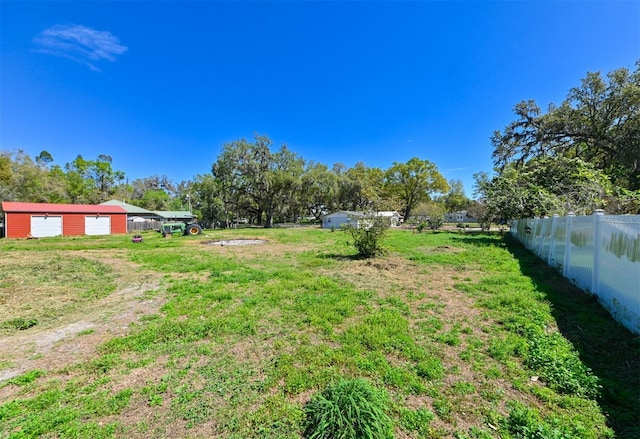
{"points": [[252, 344], [348, 409], [39, 288]]}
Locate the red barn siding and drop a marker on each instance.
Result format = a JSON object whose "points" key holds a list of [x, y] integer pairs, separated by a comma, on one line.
{"points": [[17, 225], [118, 223], [73, 224]]}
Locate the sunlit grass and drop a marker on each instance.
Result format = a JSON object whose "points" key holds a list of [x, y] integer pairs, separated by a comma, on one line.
{"points": [[246, 338]]}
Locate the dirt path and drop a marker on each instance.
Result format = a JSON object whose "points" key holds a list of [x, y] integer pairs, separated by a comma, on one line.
{"points": [[77, 336]]}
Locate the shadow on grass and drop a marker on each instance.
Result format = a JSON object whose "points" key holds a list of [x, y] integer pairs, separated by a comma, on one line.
{"points": [[481, 239], [342, 257], [610, 350]]}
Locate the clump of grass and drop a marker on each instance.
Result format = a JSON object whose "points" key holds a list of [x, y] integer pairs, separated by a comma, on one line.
{"points": [[20, 323], [27, 378], [430, 368], [348, 409], [416, 420]]}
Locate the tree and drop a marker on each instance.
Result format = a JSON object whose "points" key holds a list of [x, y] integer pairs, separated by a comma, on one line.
{"points": [[542, 187], [455, 200], [254, 179], [413, 182], [205, 199], [24, 180], [480, 211], [366, 187], [6, 175], [360, 188], [598, 123], [154, 200], [91, 181], [44, 159], [152, 183], [320, 189]]}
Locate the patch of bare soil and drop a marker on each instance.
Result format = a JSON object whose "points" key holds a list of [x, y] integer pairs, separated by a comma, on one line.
{"points": [[75, 336], [261, 247], [224, 242]]}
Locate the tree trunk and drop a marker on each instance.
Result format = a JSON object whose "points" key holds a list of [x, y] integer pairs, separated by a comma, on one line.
{"points": [[269, 219], [407, 213]]}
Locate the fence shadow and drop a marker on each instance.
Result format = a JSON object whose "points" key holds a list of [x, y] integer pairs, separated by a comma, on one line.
{"points": [[609, 349]]}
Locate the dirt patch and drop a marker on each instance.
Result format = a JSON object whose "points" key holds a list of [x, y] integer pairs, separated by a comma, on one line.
{"points": [[229, 242], [261, 247], [75, 336]]}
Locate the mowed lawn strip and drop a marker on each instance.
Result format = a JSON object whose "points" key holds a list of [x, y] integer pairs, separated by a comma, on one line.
{"points": [[467, 335]]}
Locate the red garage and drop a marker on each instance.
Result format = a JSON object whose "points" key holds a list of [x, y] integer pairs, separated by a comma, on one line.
{"points": [[38, 220]]}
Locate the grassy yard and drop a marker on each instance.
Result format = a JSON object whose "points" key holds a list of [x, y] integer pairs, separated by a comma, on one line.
{"points": [[460, 335]]}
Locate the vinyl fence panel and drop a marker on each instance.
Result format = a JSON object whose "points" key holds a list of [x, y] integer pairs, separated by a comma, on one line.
{"points": [[598, 253]]}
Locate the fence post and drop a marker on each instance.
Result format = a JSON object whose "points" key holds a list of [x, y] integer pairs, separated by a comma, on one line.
{"points": [[554, 220], [543, 228], [567, 245], [597, 232]]}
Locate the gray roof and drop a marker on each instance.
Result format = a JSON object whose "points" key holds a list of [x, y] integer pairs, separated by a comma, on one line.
{"points": [[130, 208], [174, 214], [359, 214], [167, 214]]}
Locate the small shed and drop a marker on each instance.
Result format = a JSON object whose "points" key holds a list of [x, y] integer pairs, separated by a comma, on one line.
{"points": [[39, 220]]}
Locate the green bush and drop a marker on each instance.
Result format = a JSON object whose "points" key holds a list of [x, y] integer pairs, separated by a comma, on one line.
{"points": [[368, 235], [435, 222], [348, 409]]}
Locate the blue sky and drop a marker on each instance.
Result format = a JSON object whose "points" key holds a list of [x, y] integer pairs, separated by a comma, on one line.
{"points": [[160, 86]]}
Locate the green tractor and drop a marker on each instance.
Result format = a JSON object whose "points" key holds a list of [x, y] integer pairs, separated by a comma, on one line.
{"points": [[179, 228]]}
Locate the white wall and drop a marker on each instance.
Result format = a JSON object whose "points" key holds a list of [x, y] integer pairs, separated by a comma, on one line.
{"points": [[599, 253], [335, 220]]}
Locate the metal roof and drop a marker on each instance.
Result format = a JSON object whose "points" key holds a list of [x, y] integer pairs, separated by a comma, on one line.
{"points": [[384, 213], [174, 213], [17, 206], [130, 208]]}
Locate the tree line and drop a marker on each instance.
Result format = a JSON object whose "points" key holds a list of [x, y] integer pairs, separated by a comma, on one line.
{"points": [[251, 180]]}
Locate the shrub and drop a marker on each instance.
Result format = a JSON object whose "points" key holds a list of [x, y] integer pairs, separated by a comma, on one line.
{"points": [[435, 222], [348, 409], [367, 238]]}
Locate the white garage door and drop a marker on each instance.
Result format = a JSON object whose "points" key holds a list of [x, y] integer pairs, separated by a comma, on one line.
{"points": [[42, 226], [97, 225]]}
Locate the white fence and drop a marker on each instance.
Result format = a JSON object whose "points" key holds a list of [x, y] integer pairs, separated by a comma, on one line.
{"points": [[599, 253]]}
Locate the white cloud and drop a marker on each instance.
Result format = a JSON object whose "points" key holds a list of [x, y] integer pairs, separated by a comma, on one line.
{"points": [[79, 43]]}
